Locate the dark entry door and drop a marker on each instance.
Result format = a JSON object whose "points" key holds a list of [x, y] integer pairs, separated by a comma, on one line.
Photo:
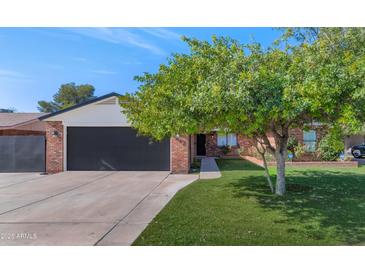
{"points": [[200, 145], [114, 148], [22, 153]]}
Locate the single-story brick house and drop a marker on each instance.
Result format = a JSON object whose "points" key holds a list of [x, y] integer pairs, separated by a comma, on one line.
{"points": [[212, 144], [22, 142], [12, 124], [96, 135], [215, 143]]}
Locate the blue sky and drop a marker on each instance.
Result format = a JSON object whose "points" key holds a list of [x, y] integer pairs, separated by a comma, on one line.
{"points": [[34, 62]]}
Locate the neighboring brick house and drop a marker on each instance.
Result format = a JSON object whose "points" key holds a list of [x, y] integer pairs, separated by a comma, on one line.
{"points": [[21, 124], [22, 142]]}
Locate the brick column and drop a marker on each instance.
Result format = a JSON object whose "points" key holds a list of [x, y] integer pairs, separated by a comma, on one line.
{"points": [[297, 133], [54, 147], [211, 147], [246, 145], [180, 154]]}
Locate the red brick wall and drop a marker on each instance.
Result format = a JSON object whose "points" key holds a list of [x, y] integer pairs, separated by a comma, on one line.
{"points": [[245, 144], [213, 150], [211, 147], [54, 147], [17, 132], [34, 126], [246, 148], [298, 134], [180, 154]]}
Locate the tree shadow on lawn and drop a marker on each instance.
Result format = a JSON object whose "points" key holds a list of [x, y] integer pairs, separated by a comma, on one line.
{"points": [[334, 200], [236, 165]]}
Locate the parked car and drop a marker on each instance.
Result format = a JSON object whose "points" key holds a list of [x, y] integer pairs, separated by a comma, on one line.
{"points": [[358, 151]]}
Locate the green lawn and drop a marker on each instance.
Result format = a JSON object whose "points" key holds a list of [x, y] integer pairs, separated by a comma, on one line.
{"points": [[322, 207]]}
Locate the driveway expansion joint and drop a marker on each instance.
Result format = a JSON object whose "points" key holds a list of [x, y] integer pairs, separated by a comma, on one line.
{"points": [[85, 208], [119, 221], [134, 223], [55, 195]]}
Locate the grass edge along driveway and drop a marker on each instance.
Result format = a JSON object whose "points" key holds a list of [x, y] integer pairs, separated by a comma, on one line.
{"points": [[323, 206]]}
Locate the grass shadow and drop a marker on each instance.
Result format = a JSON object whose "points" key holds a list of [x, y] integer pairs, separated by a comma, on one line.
{"points": [[236, 165], [333, 199]]}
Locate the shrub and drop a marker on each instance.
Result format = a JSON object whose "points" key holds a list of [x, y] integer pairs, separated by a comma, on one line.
{"points": [[225, 149], [196, 163], [299, 150], [292, 143], [331, 146], [295, 148]]}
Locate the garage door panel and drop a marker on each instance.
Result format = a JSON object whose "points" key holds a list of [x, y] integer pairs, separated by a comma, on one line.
{"points": [[114, 148], [22, 153]]}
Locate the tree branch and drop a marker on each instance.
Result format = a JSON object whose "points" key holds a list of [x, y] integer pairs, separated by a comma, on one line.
{"points": [[266, 142], [262, 154]]}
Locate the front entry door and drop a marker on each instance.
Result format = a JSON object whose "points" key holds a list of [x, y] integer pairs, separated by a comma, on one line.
{"points": [[200, 145]]}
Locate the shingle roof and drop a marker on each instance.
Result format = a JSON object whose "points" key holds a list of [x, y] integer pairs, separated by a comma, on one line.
{"points": [[12, 119]]}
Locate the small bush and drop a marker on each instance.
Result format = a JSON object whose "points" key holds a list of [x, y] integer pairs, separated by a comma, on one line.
{"points": [[196, 163], [299, 150], [295, 147], [331, 146], [292, 143], [225, 149]]}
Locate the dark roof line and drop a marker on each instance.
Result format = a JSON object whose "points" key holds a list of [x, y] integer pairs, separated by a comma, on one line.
{"points": [[79, 105]]}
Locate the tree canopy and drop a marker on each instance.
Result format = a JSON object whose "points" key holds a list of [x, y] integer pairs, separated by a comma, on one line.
{"points": [[68, 95], [306, 75], [7, 110]]}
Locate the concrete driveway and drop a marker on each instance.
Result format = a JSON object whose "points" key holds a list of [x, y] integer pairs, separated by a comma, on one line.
{"points": [[82, 208]]}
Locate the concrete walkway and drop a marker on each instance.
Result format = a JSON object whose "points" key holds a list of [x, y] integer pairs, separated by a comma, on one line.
{"points": [[209, 168]]}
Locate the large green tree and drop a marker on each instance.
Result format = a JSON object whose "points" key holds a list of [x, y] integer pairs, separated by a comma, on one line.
{"points": [[68, 95], [330, 66], [307, 75]]}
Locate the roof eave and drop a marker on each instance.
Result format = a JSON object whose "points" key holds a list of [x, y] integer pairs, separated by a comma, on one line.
{"points": [[79, 105], [20, 124]]}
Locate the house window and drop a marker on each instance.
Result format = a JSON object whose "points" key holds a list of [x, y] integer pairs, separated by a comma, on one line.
{"points": [[310, 140], [226, 139]]}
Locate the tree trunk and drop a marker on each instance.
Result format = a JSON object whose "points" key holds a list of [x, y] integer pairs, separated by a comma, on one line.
{"points": [[267, 174], [259, 143], [281, 154]]}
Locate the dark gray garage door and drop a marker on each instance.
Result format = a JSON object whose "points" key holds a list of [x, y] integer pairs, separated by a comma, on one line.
{"points": [[22, 153], [114, 148]]}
